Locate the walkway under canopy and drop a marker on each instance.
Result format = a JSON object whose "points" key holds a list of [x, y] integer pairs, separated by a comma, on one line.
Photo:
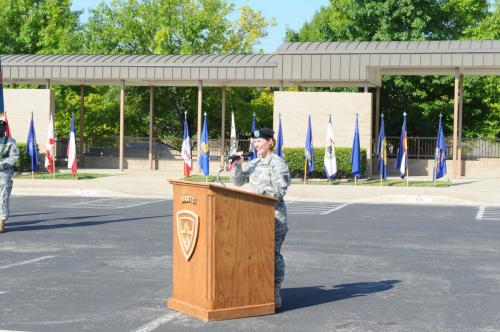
{"points": [[304, 64]]}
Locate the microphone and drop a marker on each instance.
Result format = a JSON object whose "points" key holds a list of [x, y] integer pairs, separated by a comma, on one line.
{"points": [[235, 157]]}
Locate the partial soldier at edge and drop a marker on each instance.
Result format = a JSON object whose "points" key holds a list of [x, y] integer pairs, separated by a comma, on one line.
{"points": [[9, 154]]}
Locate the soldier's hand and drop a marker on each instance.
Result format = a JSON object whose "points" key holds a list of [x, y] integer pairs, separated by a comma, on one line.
{"points": [[239, 161]]}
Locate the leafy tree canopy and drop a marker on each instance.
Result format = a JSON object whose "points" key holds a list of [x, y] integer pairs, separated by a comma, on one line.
{"points": [[423, 98]]}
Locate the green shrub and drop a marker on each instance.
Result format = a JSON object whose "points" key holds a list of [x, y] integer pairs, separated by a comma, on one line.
{"points": [[295, 158], [23, 164]]}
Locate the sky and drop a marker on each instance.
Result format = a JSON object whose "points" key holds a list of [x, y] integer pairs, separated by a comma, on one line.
{"points": [[288, 14]]}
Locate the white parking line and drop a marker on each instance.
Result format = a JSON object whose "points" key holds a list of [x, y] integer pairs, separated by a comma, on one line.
{"points": [[84, 202], [109, 203], [488, 213], [480, 213], [26, 262], [11, 331], [158, 321], [334, 209], [315, 208]]}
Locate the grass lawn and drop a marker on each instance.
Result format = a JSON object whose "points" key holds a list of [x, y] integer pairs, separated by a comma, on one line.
{"points": [[364, 182], [59, 176]]}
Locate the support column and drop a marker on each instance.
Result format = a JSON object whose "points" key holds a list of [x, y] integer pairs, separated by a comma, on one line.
{"points": [[377, 118], [198, 137], [82, 122], [460, 112], [456, 101], [122, 125], [151, 105], [223, 126], [365, 88], [281, 86]]}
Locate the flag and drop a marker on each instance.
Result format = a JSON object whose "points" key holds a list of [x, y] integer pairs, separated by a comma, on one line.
{"points": [[402, 161], [330, 161], [32, 147], [72, 147], [205, 154], [382, 151], [254, 128], [356, 152], [441, 153], [7, 127], [309, 150], [49, 149], [233, 142], [186, 149], [2, 108], [279, 143]]}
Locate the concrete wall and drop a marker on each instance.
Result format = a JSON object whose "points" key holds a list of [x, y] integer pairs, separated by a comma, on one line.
{"points": [[477, 168], [19, 103], [142, 164], [295, 107]]}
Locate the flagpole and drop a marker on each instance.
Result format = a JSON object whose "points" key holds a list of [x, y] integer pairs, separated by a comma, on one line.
{"points": [[32, 175], [381, 180], [355, 180], [434, 173], [407, 175], [305, 170]]}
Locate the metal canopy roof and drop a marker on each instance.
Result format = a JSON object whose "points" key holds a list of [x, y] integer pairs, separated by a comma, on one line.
{"points": [[294, 64]]}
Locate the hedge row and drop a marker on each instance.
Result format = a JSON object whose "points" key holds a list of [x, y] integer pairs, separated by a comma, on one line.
{"points": [[23, 164], [295, 158]]}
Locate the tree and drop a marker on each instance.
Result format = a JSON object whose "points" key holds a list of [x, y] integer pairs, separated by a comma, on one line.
{"points": [[423, 98], [171, 27], [31, 26]]}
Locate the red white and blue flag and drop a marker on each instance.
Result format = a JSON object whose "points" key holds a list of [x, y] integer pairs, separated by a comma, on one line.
{"points": [[72, 147], [49, 149], [186, 149]]}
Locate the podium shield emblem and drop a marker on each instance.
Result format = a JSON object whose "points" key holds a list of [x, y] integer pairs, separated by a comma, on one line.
{"points": [[188, 224]]}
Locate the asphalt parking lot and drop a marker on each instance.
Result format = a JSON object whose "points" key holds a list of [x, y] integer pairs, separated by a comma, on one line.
{"points": [[103, 264]]}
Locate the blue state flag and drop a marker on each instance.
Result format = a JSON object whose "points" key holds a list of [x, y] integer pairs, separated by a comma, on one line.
{"points": [[356, 152], [2, 108], [309, 151], [441, 153], [32, 147], [205, 153], [254, 128], [402, 161], [382, 151], [279, 143]]}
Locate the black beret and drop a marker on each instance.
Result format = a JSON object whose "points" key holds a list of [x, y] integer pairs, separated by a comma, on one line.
{"points": [[263, 133]]}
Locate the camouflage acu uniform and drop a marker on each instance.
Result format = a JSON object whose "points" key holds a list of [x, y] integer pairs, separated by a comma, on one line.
{"points": [[270, 176], [9, 155]]}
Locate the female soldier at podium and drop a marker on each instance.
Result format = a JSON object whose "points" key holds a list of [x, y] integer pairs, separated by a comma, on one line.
{"points": [[269, 175]]}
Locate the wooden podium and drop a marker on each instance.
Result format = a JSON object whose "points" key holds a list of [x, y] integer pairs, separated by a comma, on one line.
{"points": [[223, 252]]}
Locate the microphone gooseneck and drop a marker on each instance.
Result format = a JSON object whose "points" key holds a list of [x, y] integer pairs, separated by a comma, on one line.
{"points": [[235, 157]]}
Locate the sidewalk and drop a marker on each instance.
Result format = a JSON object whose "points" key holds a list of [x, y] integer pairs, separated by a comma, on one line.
{"points": [[472, 192]]}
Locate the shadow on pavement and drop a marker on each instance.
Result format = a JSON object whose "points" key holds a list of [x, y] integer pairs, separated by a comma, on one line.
{"points": [[9, 227], [461, 183], [302, 297], [32, 222], [14, 215]]}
